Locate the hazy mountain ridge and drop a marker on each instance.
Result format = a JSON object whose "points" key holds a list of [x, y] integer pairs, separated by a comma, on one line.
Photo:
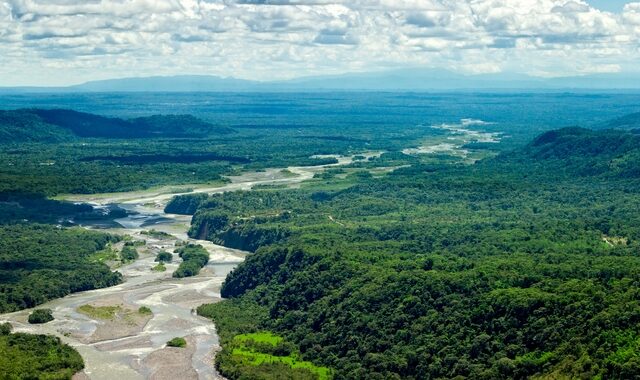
{"points": [[395, 80]]}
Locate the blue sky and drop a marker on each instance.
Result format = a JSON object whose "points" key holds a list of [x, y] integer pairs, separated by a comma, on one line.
{"points": [[60, 42], [609, 5]]}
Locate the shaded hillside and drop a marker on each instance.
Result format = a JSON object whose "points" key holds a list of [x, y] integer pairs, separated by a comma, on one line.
{"points": [[26, 126], [54, 125], [585, 143], [579, 151], [631, 121], [89, 125], [86, 125]]}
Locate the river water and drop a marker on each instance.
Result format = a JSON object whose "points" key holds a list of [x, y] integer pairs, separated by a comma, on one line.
{"points": [[136, 349]]}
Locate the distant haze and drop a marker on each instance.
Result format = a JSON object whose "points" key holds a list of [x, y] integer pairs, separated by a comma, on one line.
{"points": [[398, 80]]}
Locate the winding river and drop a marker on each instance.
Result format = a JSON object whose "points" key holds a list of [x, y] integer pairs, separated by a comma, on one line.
{"points": [[133, 346]]}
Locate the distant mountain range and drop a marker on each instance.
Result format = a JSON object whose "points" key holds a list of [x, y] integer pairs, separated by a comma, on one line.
{"points": [[397, 80]]}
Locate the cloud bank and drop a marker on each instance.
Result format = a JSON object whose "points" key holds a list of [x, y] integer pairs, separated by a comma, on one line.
{"points": [[62, 42]]}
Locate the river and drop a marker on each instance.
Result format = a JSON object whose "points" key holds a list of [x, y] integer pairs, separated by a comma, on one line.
{"points": [[132, 346]]}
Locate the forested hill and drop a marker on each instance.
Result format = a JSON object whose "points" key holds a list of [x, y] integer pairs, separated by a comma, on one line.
{"points": [[54, 125], [24, 126], [498, 270], [583, 152], [631, 121], [570, 142]]}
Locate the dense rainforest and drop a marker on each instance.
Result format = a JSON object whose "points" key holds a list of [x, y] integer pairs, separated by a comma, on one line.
{"points": [[398, 265], [41, 262], [46, 152], [520, 266], [26, 356]]}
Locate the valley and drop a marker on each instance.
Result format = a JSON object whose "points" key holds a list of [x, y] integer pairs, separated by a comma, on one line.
{"points": [[320, 190], [433, 249], [129, 349]]}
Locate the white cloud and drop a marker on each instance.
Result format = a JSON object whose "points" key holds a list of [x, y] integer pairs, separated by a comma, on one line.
{"points": [[64, 41]]}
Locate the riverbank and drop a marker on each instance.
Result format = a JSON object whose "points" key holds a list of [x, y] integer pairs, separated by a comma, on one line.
{"points": [[131, 347]]}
